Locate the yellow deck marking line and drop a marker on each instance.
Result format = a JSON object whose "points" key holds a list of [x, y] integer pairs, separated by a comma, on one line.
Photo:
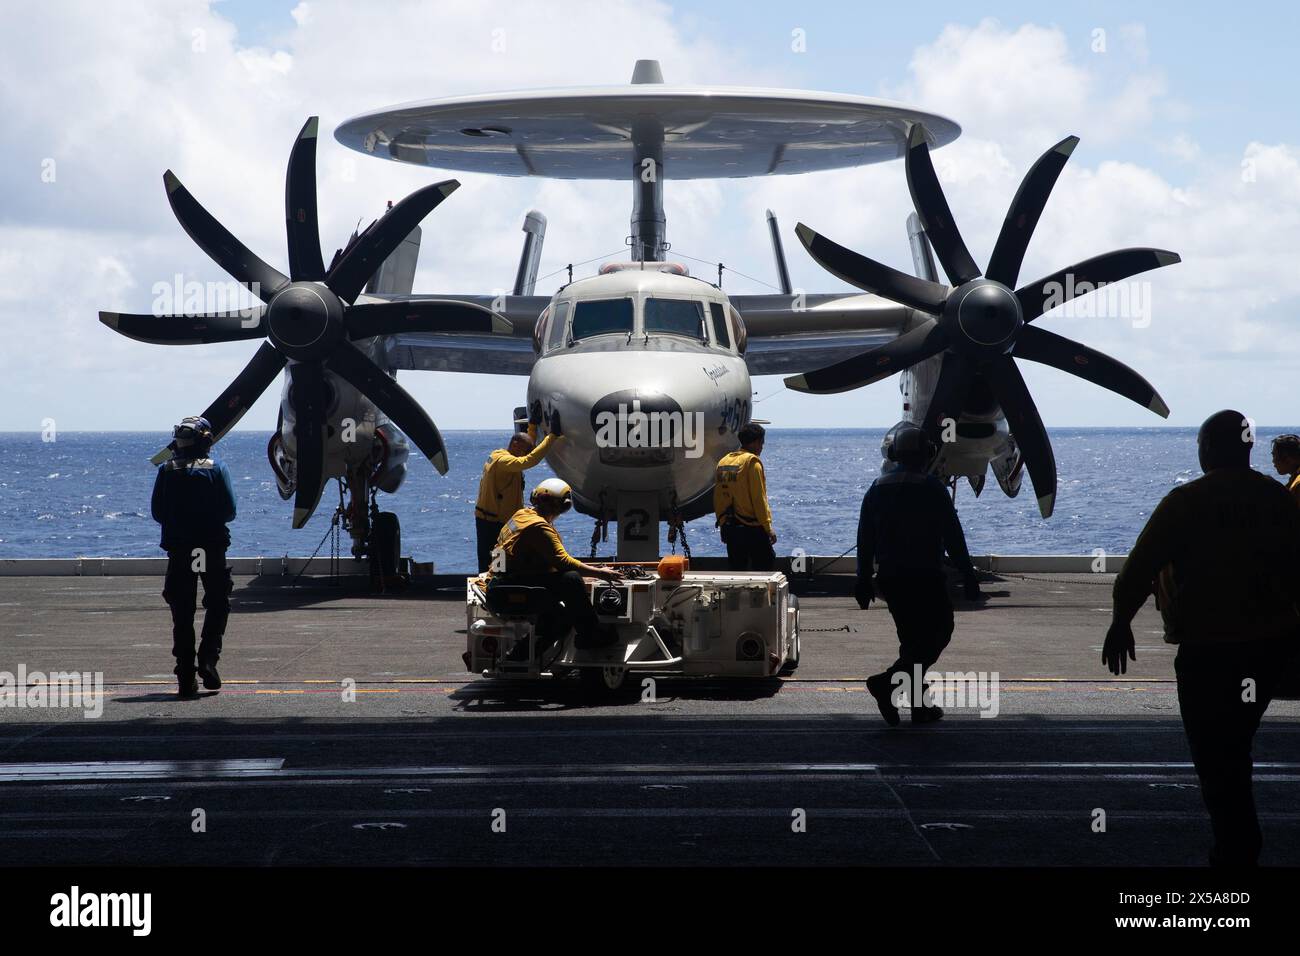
{"points": [[452, 690], [832, 685], [850, 679]]}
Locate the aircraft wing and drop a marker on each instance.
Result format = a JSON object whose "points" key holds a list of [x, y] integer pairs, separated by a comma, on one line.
{"points": [[507, 353], [434, 352], [789, 333]]}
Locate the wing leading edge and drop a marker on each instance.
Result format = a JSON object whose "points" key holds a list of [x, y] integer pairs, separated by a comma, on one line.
{"points": [[787, 333]]}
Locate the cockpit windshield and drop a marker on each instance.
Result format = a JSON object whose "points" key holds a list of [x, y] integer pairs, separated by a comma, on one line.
{"points": [[675, 317], [601, 317]]}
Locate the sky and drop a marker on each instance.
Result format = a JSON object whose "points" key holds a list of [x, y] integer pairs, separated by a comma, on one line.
{"points": [[1190, 142]]}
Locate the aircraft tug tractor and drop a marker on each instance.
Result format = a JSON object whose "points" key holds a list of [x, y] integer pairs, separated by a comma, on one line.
{"points": [[670, 622]]}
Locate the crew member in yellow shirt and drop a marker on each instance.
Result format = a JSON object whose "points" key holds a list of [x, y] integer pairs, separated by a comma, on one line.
{"points": [[532, 554], [1286, 461], [501, 489], [740, 503]]}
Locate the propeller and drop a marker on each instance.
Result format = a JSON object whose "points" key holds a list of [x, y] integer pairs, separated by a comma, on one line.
{"points": [[980, 324], [309, 320]]}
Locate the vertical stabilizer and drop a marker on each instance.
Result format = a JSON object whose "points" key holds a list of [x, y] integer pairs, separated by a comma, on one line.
{"points": [[396, 275], [531, 256], [782, 270]]}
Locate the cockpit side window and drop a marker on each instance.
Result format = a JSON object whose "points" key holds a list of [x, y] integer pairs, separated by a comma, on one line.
{"points": [[737, 323], [559, 326], [675, 317], [721, 337], [601, 317]]}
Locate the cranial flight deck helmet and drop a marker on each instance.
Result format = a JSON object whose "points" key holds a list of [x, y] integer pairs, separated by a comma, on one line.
{"points": [[193, 433], [910, 446], [554, 491]]}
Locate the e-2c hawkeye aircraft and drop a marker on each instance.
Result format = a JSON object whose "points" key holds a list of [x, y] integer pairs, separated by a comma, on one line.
{"points": [[647, 366]]}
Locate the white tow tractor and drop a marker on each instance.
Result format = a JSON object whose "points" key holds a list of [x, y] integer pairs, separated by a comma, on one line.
{"points": [[699, 624]]}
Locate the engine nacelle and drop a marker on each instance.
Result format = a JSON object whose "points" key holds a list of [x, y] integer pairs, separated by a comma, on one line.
{"points": [[391, 452]]}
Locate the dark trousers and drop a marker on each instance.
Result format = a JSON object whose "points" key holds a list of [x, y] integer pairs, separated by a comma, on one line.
{"points": [[1220, 729], [572, 608], [486, 532], [180, 591], [922, 612], [748, 548]]}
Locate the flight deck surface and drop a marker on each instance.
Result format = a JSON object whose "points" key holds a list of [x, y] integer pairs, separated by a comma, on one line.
{"points": [[291, 766]]}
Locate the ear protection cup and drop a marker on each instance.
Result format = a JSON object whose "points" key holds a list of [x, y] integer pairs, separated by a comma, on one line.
{"points": [[910, 443]]}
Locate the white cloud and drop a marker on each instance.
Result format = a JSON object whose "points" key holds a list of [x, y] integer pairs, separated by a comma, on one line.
{"points": [[127, 90], [1220, 326], [116, 93]]}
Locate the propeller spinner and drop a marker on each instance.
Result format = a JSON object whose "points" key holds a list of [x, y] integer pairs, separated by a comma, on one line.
{"points": [[309, 322], [981, 323]]}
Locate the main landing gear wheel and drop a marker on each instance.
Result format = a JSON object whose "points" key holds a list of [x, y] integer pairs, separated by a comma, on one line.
{"points": [[385, 552]]}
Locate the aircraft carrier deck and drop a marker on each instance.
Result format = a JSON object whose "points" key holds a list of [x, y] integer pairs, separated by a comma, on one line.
{"points": [[421, 763]]}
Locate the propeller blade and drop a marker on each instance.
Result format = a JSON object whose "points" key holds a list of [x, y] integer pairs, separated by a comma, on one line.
{"points": [[872, 276], [1040, 345], [932, 207], [246, 389], [239, 395], [353, 270], [300, 217], [1084, 277], [223, 248], [309, 399], [382, 389], [1022, 215], [950, 391], [1022, 418], [423, 315], [872, 365], [187, 329]]}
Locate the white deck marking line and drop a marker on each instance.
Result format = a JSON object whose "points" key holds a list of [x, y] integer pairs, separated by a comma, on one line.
{"points": [[136, 769], [274, 768], [352, 779], [319, 815]]}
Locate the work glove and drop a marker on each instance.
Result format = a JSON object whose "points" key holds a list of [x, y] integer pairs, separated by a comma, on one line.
{"points": [[971, 588], [556, 430], [865, 593], [535, 412]]}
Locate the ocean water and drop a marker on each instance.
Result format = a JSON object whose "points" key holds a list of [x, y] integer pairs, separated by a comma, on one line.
{"points": [[87, 495]]}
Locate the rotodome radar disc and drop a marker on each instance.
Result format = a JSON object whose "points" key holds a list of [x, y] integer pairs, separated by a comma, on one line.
{"points": [[588, 133]]}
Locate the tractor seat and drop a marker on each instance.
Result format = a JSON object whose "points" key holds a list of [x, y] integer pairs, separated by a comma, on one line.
{"points": [[515, 601]]}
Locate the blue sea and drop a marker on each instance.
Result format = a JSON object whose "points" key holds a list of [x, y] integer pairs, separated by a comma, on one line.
{"points": [[87, 495]]}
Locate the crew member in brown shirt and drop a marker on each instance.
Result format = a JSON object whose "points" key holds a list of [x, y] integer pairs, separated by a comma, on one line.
{"points": [[1223, 554]]}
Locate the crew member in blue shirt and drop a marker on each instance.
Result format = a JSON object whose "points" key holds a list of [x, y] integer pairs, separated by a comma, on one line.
{"points": [[906, 524], [193, 500]]}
